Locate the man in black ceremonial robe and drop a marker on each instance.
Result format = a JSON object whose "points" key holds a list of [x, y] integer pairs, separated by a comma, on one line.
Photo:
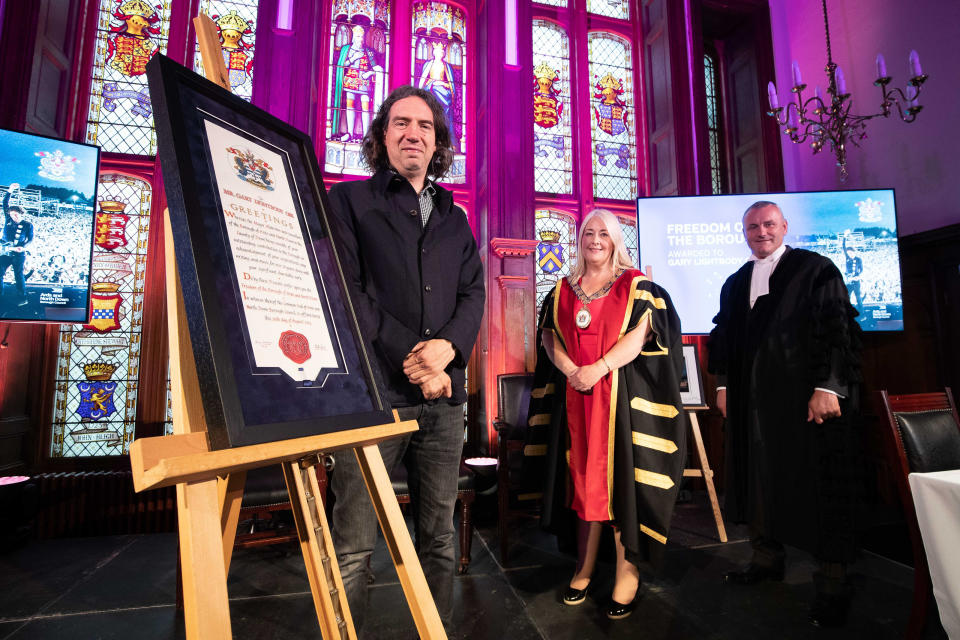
{"points": [[785, 350]]}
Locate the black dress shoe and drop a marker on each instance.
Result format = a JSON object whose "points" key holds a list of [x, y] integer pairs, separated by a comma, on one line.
{"points": [[619, 611], [752, 574], [574, 597], [829, 611]]}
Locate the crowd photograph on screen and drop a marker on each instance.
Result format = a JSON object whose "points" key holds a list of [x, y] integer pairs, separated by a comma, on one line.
{"points": [[48, 199], [694, 243]]}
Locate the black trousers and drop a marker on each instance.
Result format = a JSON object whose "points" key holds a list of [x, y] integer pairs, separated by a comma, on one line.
{"points": [[13, 259]]}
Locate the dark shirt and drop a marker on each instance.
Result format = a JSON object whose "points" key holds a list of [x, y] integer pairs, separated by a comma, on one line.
{"points": [[409, 282], [854, 266], [15, 234]]}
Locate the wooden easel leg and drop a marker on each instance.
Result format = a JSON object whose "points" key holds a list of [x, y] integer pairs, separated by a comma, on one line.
{"points": [[326, 585], [229, 497], [414, 584], [205, 601], [707, 476]]}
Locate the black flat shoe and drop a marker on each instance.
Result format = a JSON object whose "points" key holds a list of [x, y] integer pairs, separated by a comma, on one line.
{"points": [[573, 597], [752, 574], [618, 611]]}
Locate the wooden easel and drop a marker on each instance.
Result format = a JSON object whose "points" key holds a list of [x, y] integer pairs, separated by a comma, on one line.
{"points": [[703, 470], [210, 483]]}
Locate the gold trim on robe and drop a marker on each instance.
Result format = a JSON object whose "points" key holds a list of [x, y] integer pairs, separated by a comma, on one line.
{"points": [[530, 496], [652, 478], [659, 537], [653, 442], [654, 408], [643, 294], [543, 391], [535, 450], [614, 380]]}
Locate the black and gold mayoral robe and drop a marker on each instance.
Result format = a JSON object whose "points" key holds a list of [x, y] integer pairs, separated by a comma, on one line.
{"points": [[791, 480], [648, 425]]}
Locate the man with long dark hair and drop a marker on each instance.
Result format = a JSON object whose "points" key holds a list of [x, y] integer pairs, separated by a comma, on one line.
{"points": [[411, 257]]}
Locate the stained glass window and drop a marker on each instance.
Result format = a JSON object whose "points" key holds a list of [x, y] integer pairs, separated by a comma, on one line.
{"points": [[95, 402], [552, 139], [129, 33], [440, 67], [612, 8], [236, 23], [713, 124], [557, 232], [612, 123], [630, 238], [359, 59]]}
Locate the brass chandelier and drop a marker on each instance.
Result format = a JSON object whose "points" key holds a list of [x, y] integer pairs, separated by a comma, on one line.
{"points": [[829, 121]]}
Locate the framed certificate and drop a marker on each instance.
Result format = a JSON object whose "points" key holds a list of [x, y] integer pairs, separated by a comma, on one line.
{"points": [[691, 384], [277, 344]]}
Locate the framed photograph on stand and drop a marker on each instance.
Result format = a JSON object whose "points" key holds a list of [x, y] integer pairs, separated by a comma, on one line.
{"points": [[691, 382]]}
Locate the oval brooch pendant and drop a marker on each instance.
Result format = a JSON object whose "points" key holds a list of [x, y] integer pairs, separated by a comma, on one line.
{"points": [[583, 318]]}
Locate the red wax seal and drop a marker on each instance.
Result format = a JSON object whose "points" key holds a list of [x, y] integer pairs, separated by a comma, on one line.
{"points": [[295, 346]]}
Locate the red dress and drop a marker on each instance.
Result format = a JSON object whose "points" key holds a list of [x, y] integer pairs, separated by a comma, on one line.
{"points": [[589, 418]]}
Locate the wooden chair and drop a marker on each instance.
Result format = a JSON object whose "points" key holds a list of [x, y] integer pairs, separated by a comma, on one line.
{"points": [[265, 498], [513, 402], [921, 437], [465, 496]]}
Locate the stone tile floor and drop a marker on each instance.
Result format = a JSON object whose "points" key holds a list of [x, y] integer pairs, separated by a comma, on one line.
{"points": [[124, 587]]}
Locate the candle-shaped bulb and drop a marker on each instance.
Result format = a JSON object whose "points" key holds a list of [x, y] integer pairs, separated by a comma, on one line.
{"points": [[915, 69], [841, 81], [797, 79], [818, 93], [911, 95], [772, 96], [881, 66], [793, 122]]}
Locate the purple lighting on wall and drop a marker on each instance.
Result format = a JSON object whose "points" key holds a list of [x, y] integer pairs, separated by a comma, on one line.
{"points": [[285, 15], [510, 53]]}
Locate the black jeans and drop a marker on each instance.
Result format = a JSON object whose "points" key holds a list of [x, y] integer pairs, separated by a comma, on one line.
{"points": [[432, 457], [14, 260]]}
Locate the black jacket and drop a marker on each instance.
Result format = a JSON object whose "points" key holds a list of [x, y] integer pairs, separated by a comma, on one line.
{"points": [[14, 234], [409, 283]]}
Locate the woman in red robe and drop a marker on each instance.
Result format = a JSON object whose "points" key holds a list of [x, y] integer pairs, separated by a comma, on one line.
{"points": [[609, 338]]}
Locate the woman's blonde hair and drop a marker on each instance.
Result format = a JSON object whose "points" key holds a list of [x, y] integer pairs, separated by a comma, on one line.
{"points": [[619, 258]]}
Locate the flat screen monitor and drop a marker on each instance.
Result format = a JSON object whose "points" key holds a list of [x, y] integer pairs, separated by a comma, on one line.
{"points": [[694, 243], [48, 193]]}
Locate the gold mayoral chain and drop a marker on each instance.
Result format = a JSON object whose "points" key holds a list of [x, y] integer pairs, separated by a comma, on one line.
{"points": [[583, 316]]}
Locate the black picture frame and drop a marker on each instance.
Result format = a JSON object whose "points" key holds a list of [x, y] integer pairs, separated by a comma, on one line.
{"points": [[247, 371], [691, 380]]}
